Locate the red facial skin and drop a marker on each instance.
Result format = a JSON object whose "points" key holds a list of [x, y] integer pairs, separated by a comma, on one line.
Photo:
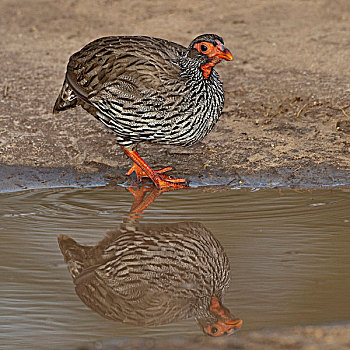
{"points": [[215, 54], [226, 324]]}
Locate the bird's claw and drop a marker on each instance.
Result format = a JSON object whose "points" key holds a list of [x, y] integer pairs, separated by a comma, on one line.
{"points": [[164, 181], [141, 174]]}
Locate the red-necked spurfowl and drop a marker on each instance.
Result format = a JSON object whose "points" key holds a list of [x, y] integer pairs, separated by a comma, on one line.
{"points": [[152, 274], [148, 90]]}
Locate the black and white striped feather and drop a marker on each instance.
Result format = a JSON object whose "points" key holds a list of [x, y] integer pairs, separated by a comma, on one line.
{"points": [[144, 89], [150, 274]]}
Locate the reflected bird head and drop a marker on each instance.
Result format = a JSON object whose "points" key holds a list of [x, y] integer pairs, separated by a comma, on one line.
{"points": [[224, 324]]}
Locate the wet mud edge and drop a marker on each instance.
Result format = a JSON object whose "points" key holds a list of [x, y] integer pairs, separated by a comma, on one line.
{"points": [[19, 178]]}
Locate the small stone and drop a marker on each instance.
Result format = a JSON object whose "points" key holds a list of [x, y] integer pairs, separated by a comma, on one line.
{"points": [[344, 126]]}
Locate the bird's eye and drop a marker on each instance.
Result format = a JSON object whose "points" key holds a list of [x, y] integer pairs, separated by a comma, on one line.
{"points": [[214, 330], [204, 48]]}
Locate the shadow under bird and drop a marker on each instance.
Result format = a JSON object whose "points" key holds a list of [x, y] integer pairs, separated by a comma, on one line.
{"points": [[152, 274], [147, 89]]}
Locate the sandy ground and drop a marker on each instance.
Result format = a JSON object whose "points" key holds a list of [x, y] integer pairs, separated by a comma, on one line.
{"points": [[286, 118], [287, 110]]}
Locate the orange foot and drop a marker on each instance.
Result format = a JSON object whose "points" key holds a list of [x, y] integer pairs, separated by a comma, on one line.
{"points": [[140, 173], [166, 182], [142, 169], [160, 179]]}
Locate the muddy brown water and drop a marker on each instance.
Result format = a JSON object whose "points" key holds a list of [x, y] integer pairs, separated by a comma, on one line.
{"points": [[288, 253]]}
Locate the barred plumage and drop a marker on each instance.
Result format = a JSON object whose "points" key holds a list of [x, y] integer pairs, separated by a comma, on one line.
{"points": [[151, 274], [148, 89]]}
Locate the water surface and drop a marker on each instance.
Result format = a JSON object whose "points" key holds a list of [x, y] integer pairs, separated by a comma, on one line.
{"points": [[288, 252]]}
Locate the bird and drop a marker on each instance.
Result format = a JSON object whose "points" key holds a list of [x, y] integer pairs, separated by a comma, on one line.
{"points": [[147, 89], [152, 274]]}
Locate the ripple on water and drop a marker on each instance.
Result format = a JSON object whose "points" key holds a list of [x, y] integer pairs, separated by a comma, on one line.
{"points": [[288, 251]]}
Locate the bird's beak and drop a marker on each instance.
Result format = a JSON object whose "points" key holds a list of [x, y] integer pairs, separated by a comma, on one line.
{"points": [[225, 54], [235, 324]]}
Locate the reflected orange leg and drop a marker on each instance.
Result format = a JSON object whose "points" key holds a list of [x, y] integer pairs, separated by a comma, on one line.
{"points": [[142, 169], [141, 201]]}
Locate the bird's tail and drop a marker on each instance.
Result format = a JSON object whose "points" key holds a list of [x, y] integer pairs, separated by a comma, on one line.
{"points": [[74, 254], [66, 99]]}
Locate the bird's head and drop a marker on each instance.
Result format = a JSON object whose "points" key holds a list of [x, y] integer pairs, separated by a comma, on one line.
{"points": [[208, 50], [220, 322]]}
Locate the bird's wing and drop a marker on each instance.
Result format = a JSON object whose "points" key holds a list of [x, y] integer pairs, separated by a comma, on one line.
{"points": [[124, 69]]}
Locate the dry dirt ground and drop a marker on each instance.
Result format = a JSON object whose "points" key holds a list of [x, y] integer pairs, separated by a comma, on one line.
{"points": [[287, 110], [286, 118]]}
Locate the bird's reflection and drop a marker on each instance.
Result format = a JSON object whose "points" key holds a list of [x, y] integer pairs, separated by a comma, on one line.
{"points": [[152, 274]]}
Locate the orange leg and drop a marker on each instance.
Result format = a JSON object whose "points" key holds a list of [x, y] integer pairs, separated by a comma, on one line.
{"points": [[142, 169]]}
